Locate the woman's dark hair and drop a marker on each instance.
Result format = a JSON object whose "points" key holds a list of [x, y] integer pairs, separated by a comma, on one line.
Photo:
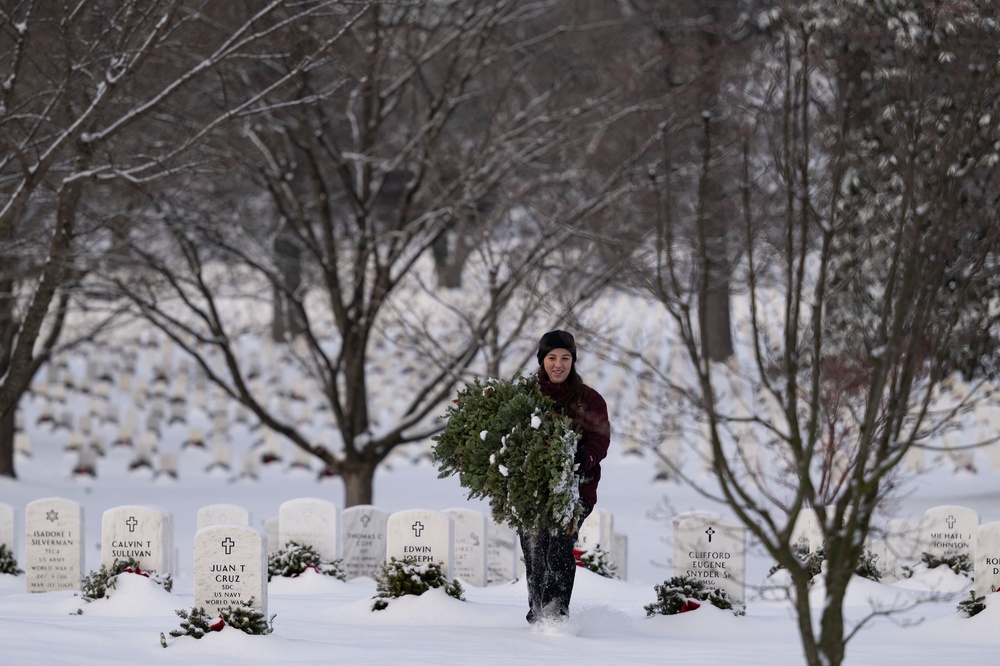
{"points": [[574, 391]]}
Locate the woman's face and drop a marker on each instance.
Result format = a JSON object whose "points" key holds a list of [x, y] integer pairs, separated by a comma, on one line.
{"points": [[557, 364]]}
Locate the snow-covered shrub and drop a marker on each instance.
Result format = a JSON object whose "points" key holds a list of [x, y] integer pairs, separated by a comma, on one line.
{"points": [[683, 593], [813, 562], [959, 563], [397, 578], [8, 563], [973, 605], [96, 584], [243, 616], [599, 561], [295, 558]]}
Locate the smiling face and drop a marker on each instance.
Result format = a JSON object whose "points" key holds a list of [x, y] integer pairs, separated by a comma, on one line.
{"points": [[557, 364]]}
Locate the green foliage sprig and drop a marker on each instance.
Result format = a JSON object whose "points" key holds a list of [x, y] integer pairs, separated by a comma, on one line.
{"points": [[295, 558], [96, 584], [599, 561], [8, 563], [676, 594], [507, 443], [242, 615], [973, 605], [397, 578], [959, 563], [813, 563]]}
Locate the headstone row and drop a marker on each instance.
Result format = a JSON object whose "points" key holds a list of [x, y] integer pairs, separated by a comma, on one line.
{"points": [[462, 541]]}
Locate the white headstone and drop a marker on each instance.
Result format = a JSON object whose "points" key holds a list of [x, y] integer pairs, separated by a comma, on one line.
{"points": [[807, 532], [678, 553], [501, 553], [250, 469], [470, 546], [219, 447], [196, 438], [220, 424], [271, 532], [230, 567], [987, 562], [223, 514], [74, 441], [168, 465], [949, 530], [362, 539], [903, 544], [272, 448], [53, 545], [301, 459], [178, 413], [595, 531], [992, 451], [619, 555], [86, 463], [713, 550], [309, 521], [143, 533], [422, 536], [22, 444]]}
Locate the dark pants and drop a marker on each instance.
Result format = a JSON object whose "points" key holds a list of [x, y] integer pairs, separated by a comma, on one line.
{"points": [[550, 569]]}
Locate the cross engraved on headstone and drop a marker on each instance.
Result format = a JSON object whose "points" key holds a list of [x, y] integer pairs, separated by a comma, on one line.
{"points": [[365, 519], [951, 522], [228, 544], [710, 532], [52, 516], [307, 515], [417, 528], [131, 522]]}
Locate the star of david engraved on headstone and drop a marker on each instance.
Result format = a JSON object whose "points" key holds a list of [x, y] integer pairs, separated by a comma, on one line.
{"points": [[227, 545], [131, 522], [417, 528], [52, 516], [710, 532]]}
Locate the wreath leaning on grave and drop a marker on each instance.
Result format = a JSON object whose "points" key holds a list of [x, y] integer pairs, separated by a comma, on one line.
{"points": [[507, 443]]}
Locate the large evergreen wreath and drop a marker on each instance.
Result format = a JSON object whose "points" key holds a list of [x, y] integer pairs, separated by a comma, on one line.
{"points": [[507, 443]]}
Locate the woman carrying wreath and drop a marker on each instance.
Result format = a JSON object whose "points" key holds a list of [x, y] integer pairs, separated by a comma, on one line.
{"points": [[550, 565]]}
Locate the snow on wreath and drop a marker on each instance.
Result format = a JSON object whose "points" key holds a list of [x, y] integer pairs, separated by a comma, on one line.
{"points": [[509, 444]]}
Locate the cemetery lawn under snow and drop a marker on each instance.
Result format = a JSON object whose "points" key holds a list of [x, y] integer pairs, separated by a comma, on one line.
{"points": [[322, 619]]}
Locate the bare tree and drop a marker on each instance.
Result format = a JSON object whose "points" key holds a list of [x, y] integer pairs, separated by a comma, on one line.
{"points": [[702, 46], [424, 112], [98, 101], [869, 188]]}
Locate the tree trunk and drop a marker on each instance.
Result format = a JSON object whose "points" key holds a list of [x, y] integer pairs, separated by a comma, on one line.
{"points": [[359, 483], [288, 320], [831, 638], [7, 423], [713, 305], [717, 336]]}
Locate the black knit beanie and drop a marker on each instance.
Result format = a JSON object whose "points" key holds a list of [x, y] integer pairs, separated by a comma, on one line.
{"points": [[556, 340]]}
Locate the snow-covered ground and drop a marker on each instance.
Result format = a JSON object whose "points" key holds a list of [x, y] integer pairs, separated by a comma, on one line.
{"points": [[320, 619]]}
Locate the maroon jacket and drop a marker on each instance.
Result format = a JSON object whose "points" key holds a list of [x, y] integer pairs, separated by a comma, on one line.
{"points": [[590, 418]]}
